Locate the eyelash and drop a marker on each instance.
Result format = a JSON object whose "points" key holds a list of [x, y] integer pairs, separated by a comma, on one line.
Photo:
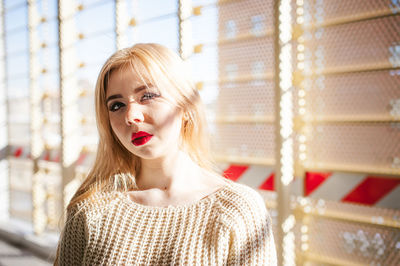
{"points": [[115, 105], [146, 96]]}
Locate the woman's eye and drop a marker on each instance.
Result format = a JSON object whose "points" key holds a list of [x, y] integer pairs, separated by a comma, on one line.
{"points": [[115, 106], [148, 96]]}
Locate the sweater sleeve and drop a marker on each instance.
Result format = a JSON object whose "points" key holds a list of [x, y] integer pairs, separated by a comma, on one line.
{"points": [[72, 242], [251, 241]]}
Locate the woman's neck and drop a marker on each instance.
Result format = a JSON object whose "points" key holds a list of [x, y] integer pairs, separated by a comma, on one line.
{"points": [[171, 173]]}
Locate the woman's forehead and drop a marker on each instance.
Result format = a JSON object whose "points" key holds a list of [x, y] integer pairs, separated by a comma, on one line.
{"points": [[126, 78]]}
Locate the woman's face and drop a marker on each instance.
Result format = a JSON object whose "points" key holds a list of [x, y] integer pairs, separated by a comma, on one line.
{"points": [[143, 120]]}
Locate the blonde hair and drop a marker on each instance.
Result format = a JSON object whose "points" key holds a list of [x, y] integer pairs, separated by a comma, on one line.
{"points": [[115, 168]]}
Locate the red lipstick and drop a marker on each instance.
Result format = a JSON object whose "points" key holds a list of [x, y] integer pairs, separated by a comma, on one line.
{"points": [[140, 138]]}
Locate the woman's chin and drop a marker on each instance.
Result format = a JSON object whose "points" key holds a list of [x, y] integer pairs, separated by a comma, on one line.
{"points": [[147, 154], [153, 153]]}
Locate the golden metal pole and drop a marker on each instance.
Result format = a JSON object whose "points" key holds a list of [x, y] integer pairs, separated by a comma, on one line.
{"points": [[284, 167], [384, 66], [312, 211], [352, 168], [121, 24], [309, 256], [352, 119], [185, 33], [349, 217], [244, 160], [4, 130], [354, 18], [36, 120], [197, 9], [244, 119], [238, 38], [69, 93], [239, 79]]}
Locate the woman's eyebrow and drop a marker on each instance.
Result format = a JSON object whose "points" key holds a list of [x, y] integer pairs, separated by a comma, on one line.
{"points": [[140, 88], [116, 96]]}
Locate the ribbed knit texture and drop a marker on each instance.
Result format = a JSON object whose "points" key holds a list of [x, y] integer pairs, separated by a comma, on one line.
{"points": [[229, 227]]}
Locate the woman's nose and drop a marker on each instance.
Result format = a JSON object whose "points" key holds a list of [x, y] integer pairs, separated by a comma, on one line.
{"points": [[134, 115]]}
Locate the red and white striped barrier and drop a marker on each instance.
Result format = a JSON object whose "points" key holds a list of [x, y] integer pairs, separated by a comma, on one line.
{"points": [[21, 152], [337, 186], [258, 177], [354, 188]]}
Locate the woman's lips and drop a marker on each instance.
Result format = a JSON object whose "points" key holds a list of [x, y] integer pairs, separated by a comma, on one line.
{"points": [[140, 138]]}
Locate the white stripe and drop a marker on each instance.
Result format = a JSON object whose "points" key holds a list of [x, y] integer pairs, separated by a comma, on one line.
{"points": [[337, 186], [391, 200], [222, 167], [297, 186], [255, 175]]}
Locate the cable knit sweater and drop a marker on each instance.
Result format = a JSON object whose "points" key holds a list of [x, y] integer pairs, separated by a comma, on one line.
{"points": [[229, 227]]}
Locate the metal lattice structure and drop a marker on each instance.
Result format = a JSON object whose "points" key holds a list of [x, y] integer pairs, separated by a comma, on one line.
{"points": [[302, 97]]}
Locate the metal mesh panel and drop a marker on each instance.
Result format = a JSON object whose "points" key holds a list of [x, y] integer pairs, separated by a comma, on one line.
{"points": [[17, 42], [148, 10], [205, 65], [348, 121], [21, 205], [150, 24], [204, 26], [318, 11], [363, 144], [16, 10], [339, 51], [256, 99], [241, 49], [244, 140], [248, 17], [94, 26], [348, 233], [356, 43], [17, 74], [353, 242], [168, 36], [340, 94], [20, 171], [254, 63]]}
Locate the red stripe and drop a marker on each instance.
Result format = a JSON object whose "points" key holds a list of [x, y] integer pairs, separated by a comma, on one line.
{"points": [[313, 180], [47, 156], [18, 152], [56, 158], [371, 190], [233, 172], [268, 183], [81, 159]]}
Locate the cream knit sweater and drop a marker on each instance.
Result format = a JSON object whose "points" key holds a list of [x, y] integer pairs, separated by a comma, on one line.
{"points": [[229, 227]]}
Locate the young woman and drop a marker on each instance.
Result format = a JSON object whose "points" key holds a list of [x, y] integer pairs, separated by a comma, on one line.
{"points": [[152, 197]]}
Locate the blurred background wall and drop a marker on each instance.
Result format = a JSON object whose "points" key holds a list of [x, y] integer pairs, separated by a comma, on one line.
{"points": [[302, 96]]}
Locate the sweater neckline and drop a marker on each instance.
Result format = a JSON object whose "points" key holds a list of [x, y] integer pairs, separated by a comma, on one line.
{"points": [[205, 199]]}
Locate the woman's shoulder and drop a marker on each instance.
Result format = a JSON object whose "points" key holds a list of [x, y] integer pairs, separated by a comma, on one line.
{"points": [[95, 205], [240, 199], [99, 199]]}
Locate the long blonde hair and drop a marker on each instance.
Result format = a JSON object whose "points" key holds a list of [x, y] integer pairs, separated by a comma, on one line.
{"points": [[115, 168]]}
